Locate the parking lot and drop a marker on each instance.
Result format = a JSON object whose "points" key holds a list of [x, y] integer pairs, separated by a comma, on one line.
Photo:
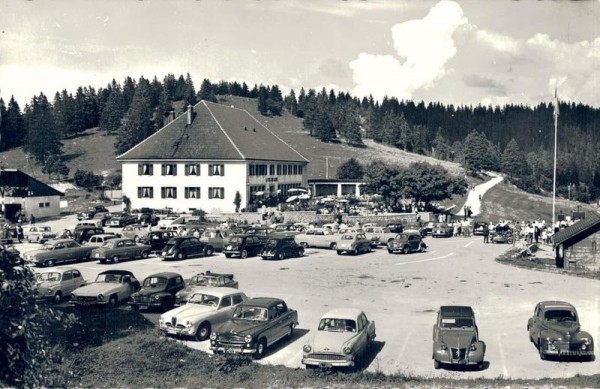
{"points": [[402, 293]]}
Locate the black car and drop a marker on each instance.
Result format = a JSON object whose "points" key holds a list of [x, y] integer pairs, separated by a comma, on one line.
{"points": [[398, 228], [182, 247], [158, 291], [91, 211], [281, 248], [121, 219], [158, 239], [82, 234], [262, 232], [244, 246]]}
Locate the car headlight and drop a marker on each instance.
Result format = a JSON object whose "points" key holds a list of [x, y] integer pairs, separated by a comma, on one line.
{"points": [[248, 338], [49, 290], [583, 347], [347, 350], [213, 336], [586, 341], [100, 296], [473, 346], [188, 324], [306, 348], [156, 297], [443, 346], [178, 295]]}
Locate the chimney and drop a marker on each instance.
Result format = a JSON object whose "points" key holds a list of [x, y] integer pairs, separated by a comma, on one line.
{"points": [[172, 114], [190, 115]]}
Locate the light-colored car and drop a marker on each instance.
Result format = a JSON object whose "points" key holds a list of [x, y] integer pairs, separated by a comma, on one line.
{"points": [[57, 284], [58, 251], [98, 240], [166, 221], [120, 249], [204, 280], [318, 237], [136, 232], [379, 235], [353, 243], [343, 337], [206, 309], [216, 238], [38, 233], [89, 223], [441, 230], [110, 288]]}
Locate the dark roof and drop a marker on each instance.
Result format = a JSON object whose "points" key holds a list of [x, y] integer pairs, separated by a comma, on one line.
{"points": [[334, 181], [456, 311], [264, 302], [119, 272], [582, 227], [166, 274], [23, 185], [217, 132], [556, 304]]}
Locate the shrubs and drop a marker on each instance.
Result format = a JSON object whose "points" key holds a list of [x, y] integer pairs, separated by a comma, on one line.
{"points": [[87, 179]]}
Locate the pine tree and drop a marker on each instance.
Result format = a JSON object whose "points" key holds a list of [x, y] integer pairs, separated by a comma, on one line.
{"points": [[513, 162], [114, 110], [12, 130], [189, 93], [291, 104], [137, 124], [324, 129], [43, 139], [206, 91], [179, 88], [263, 95], [274, 101]]}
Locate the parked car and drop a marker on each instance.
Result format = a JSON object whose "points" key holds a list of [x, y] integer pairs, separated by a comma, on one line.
{"points": [[38, 233], [478, 227], [195, 230], [427, 228], [11, 256], [166, 221], [121, 219], [554, 328], [57, 284], [216, 238], [406, 243], [158, 239], [342, 339], [288, 228], [136, 232], [281, 247], [91, 211], [182, 247], [256, 324], [244, 246], [396, 227], [206, 310], [318, 237], [158, 291], [379, 235], [58, 251], [110, 288], [83, 234], [262, 232], [442, 230], [89, 223], [456, 338], [98, 240], [120, 249], [353, 243], [208, 279], [101, 218], [502, 233]]}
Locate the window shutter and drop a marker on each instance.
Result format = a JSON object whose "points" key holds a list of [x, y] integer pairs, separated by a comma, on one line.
{"points": [[163, 192], [186, 193], [151, 169], [139, 192], [140, 171], [187, 169], [222, 170], [174, 193], [151, 190], [210, 170], [163, 169], [175, 170]]}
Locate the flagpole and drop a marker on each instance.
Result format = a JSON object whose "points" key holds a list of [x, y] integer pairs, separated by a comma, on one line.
{"points": [[555, 143]]}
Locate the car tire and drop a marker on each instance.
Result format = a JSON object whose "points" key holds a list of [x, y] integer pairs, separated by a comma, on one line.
{"points": [[390, 251], [145, 254], [305, 245], [48, 263], [541, 350], [300, 252], [227, 255], [290, 332], [280, 256], [421, 248], [203, 332], [103, 261], [261, 349], [181, 255], [57, 297], [208, 251], [136, 239], [333, 246], [113, 301], [436, 364], [339, 252], [115, 259], [244, 254], [405, 250]]}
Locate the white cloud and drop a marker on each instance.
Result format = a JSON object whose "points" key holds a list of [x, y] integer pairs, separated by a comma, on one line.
{"points": [[424, 46], [499, 42]]}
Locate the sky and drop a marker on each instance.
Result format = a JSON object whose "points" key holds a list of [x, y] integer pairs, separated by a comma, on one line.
{"points": [[491, 52]]}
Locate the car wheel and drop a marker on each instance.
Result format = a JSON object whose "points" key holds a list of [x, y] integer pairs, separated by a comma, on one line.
{"points": [[208, 251], [115, 259], [103, 261], [333, 246], [227, 255], [145, 254], [244, 254], [405, 250], [136, 239], [436, 364], [261, 349], [421, 248], [304, 244], [48, 263], [113, 301], [339, 252], [290, 332], [58, 297], [280, 256], [480, 366], [300, 252], [390, 251], [203, 332], [166, 304], [541, 350], [180, 255]]}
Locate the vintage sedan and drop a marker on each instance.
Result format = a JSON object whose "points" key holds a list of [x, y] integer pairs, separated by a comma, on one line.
{"points": [[255, 325], [216, 238], [281, 247], [58, 251], [442, 230], [158, 239], [120, 249], [554, 328], [121, 219], [406, 243], [110, 288], [244, 246], [99, 239], [206, 310], [479, 226], [158, 291], [456, 338], [182, 247], [318, 237], [379, 235], [57, 284], [39, 234], [210, 279], [262, 232], [342, 339], [353, 243], [136, 232]]}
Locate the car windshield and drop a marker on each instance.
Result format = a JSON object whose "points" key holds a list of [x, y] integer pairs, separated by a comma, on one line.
{"points": [[272, 242], [202, 280], [44, 229], [560, 315], [401, 237], [47, 246], [347, 237], [108, 243], [457, 322], [154, 282], [204, 299], [109, 278], [52, 276], [236, 239], [337, 325], [250, 313], [209, 234]]}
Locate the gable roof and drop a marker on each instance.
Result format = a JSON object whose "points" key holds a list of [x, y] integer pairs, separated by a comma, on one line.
{"points": [[23, 184], [592, 219], [217, 132]]}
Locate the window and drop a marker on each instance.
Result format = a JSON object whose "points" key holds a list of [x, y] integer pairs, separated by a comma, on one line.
{"points": [[300, 167], [145, 192], [168, 192], [237, 299], [216, 170], [192, 192], [47, 204], [169, 169], [226, 301], [192, 169], [145, 169], [67, 276], [76, 274], [271, 170], [295, 169], [41, 205], [285, 169], [278, 170], [216, 193]]}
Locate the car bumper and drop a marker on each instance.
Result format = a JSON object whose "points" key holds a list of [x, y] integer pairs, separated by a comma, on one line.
{"points": [[567, 349], [145, 305], [233, 349], [328, 362], [178, 331], [471, 358], [233, 253]]}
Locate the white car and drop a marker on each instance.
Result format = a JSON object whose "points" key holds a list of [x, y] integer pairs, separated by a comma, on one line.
{"points": [[38, 233], [98, 240], [59, 283], [205, 310]]}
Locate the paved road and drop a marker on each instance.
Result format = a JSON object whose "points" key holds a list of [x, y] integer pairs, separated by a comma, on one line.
{"points": [[474, 196], [402, 294]]}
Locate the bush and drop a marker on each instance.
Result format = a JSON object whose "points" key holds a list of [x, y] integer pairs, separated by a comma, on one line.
{"points": [[87, 179], [200, 213], [113, 181]]}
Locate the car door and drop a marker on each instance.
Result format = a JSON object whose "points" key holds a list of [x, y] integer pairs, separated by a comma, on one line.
{"points": [[77, 280], [535, 329], [131, 249], [258, 244], [223, 311], [185, 247], [61, 254], [75, 252], [281, 319]]}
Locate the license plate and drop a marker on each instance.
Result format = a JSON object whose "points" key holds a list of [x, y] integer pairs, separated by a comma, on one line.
{"points": [[173, 331], [325, 364], [143, 307]]}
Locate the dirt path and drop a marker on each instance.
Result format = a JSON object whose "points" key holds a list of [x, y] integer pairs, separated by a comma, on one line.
{"points": [[475, 194]]}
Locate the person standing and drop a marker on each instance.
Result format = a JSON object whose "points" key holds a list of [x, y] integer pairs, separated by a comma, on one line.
{"points": [[486, 234], [20, 235]]}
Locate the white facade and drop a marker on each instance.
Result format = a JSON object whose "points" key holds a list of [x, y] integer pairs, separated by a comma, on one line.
{"points": [[38, 206]]}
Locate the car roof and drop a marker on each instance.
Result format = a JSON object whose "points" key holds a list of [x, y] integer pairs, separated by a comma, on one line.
{"points": [[342, 313], [242, 235], [61, 240], [456, 311], [119, 272], [120, 239], [59, 270], [182, 237], [219, 292], [166, 274], [264, 302], [208, 273], [545, 305], [105, 236]]}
